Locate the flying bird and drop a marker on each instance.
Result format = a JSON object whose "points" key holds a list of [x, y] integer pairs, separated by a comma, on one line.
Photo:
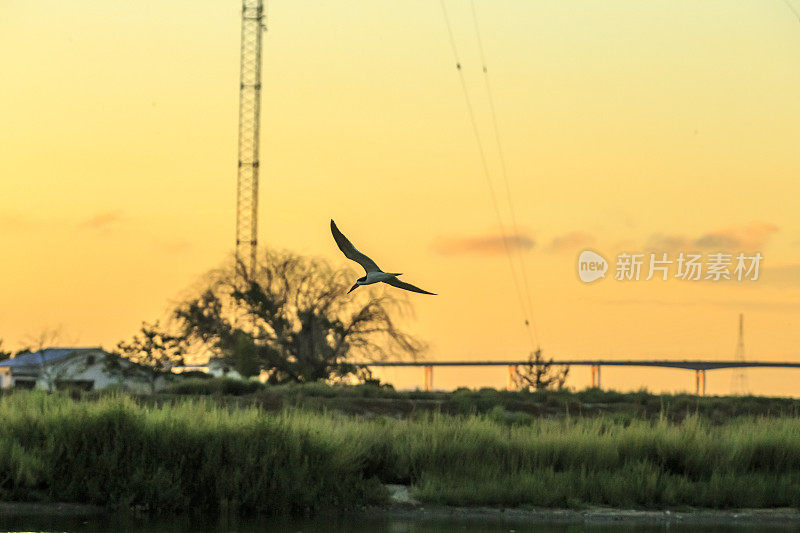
{"points": [[373, 273]]}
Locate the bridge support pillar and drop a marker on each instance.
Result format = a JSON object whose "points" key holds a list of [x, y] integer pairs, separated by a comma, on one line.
{"points": [[511, 382], [596, 376], [700, 382], [428, 385]]}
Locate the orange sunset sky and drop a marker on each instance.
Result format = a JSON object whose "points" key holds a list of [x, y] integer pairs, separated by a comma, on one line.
{"points": [[627, 126]]}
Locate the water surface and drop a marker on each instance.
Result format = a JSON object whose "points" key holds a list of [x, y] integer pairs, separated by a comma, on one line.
{"points": [[348, 524]]}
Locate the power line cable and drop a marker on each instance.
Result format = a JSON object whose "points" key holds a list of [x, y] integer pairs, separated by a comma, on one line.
{"points": [[790, 6], [485, 166], [503, 165]]}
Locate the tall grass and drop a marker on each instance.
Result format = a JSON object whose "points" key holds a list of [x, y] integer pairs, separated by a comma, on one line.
{"points": [[194, 455], [747, 463], [182, 457]]}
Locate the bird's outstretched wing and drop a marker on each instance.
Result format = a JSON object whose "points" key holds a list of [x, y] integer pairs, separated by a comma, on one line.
{"points": [[394, 282], [350, 251]]}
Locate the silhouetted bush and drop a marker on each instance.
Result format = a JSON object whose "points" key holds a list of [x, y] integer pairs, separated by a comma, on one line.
{"points": [[200, 387]]}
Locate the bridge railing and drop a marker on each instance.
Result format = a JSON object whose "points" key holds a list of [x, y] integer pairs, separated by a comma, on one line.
{"points": [[698, 366]]}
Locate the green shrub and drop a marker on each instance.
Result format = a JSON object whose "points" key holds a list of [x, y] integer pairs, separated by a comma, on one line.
{"points": [[226, 386]]}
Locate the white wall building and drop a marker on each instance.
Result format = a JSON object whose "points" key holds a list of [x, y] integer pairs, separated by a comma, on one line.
{"points": [[54, 368], [218, 368]]}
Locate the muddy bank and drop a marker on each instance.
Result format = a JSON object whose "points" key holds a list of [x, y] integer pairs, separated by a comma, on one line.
{"points": [[13, 509], [416, 513], [403, 507], [593, 516]]}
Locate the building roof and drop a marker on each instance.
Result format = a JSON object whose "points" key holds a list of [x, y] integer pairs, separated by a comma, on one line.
{"points": [[50, 355]]}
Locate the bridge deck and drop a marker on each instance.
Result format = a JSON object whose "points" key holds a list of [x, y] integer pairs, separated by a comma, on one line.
{"points": [[686, 364]]}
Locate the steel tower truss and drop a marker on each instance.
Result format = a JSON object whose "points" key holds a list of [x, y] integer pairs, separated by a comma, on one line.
{"points": [[249, 122]]}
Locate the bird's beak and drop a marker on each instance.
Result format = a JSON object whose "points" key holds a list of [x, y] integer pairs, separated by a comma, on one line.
{"points": [[354, 287]]}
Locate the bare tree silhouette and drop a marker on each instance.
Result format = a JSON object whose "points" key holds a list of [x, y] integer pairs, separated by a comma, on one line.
{"points": [[539, 374], [3, 354], [294, 319], [47, 337], [149, 355]]}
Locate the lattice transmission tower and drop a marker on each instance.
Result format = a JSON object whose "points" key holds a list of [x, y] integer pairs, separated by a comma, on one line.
{"points": [[739, 378], [249, 123]]}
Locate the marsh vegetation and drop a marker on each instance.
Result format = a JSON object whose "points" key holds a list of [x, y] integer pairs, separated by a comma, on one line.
{"points": [[196, 454]]}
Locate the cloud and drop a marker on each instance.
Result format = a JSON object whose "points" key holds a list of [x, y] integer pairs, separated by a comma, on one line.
{"points": [[781, 276], [482, 244], [668, 243], [17, 221], [102, 221], [750, 238], [570, 242]]}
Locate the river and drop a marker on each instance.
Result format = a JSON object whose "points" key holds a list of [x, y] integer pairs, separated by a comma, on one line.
{"points": [[352, 524]]}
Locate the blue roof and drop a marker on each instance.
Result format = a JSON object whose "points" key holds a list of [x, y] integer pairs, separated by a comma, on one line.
{"points": [[35, 358]]}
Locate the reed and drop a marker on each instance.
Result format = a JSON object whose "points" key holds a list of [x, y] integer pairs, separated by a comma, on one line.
{"points": [[182, 457], [193, 454]]}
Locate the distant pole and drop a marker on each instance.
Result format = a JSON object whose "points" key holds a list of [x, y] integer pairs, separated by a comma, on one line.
{"points": [[739, 378], [249, 123], [596, 376], [428, 385], [700, 382]]}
